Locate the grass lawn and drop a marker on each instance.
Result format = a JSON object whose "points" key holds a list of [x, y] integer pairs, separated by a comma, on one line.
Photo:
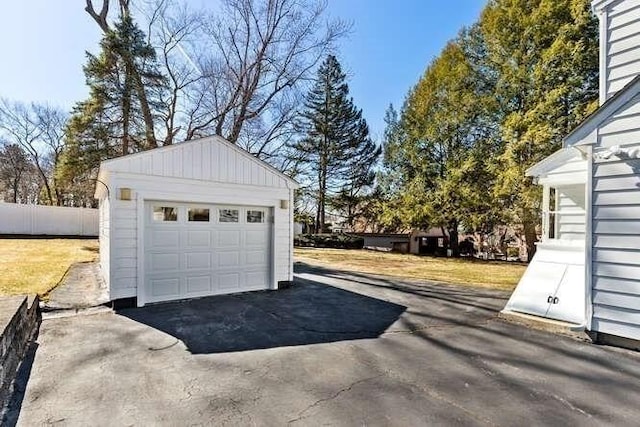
{"points": [[35, 266], [498, 275]]}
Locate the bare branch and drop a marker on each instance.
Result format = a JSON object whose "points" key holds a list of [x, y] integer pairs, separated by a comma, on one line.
{"points": [[100, 18]]}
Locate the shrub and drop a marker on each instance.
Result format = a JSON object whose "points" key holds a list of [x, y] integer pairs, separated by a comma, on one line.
{"points": [[343, 241], [513, 252]]}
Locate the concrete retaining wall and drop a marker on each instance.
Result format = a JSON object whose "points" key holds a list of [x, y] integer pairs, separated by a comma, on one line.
{"points": [[19, 322]]}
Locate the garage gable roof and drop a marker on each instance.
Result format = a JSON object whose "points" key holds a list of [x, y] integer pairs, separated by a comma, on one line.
{"points": [[207, 159]]}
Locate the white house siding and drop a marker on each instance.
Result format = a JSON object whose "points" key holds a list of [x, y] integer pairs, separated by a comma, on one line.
{"points": [[571, 223], [616, 227], [128, 219], [620, 44]]}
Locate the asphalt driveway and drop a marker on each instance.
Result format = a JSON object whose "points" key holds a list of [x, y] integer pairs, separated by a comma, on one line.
{"points": [[334, 349]]}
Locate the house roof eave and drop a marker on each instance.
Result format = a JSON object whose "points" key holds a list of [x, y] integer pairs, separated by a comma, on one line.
{"points": [[578, 135]]}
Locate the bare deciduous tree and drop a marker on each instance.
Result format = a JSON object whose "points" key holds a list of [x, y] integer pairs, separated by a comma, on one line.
{"points": [[15, 172], [263, 52], [52, 122], [172, 30], [38, 130], [239, 72]]}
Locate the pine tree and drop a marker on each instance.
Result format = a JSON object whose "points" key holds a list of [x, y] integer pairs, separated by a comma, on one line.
{"points": [[336, 152], [112, 121]]}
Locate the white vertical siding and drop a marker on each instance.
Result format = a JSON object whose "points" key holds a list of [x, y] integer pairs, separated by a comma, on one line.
{"points": [[104, 234], [616, 228], [620, 31], [207, 159], [283, 240]]}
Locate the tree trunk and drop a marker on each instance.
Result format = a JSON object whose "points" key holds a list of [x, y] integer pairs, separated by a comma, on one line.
{"points": [[131, 70], [149, 131], [530, 238], [503, 242], [16, 185], [126, 111], [453, 238], [45, 182]]}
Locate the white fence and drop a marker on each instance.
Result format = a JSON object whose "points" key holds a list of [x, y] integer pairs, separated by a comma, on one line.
{"points": [[47, 220]]}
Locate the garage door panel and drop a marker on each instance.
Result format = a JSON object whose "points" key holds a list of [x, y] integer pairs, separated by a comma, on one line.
{"points": [[163, 239], [186, 259], [256, 258], [229, 281], [228, 259], [163, 262], [199, 284], [257, 238], [254, 279], [228, 239], [198, 239], [198, 260], [166, 287]]}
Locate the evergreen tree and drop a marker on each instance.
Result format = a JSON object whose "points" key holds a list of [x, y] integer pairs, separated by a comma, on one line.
{"points": [[353, 199], [395, 167], [437, 151], [112, 121], [336, 153], [499, 98], [545, 54]]}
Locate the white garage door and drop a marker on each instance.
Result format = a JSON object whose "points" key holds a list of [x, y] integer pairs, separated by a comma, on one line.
{"points": [[198, 250]]}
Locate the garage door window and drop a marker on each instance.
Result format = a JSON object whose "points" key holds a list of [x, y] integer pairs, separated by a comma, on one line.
{"points": [[255, 216], [229, 215], [198, 215], [165, 213]]}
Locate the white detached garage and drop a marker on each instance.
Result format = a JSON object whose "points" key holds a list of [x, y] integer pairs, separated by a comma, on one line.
{"points": [[194, 219]]}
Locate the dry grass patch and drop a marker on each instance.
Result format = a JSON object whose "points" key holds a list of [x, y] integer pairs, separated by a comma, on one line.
{"points": [[497, 275], [35, 266]]}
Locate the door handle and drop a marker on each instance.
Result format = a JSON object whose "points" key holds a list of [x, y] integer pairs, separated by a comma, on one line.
{"points": [[555, 300], [550, 299]]}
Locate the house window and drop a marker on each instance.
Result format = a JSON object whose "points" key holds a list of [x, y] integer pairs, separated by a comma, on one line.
{"points": [[255, 216], [198, 215], [549, 213], [165, 213], [229, 215]]}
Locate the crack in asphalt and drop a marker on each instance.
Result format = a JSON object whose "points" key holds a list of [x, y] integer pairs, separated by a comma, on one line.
{"points": [[301, 415], [563, 401]]}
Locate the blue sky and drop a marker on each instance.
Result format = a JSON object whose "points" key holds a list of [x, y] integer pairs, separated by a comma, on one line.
{"points": [[42, 45]]}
